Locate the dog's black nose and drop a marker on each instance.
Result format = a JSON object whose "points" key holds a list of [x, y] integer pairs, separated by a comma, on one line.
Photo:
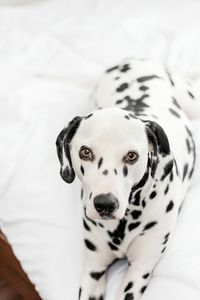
{"points": [[106, 204]]}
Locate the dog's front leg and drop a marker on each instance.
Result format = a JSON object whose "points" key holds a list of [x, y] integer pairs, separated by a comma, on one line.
{"points": [[143, 254], [135, 281], [96, 259]]}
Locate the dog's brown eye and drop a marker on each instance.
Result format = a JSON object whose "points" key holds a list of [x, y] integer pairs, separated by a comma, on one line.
{"points": [[85, 153], [131, 157]]}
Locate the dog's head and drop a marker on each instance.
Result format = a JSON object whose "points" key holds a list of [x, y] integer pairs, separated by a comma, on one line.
{"points": [[108, 150]]}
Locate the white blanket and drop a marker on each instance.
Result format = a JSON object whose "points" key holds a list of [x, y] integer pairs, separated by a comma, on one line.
{"points": [[50, 55]]}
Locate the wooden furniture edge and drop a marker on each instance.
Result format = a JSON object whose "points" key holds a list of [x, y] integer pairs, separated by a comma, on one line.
{"points": [[12, 272]]}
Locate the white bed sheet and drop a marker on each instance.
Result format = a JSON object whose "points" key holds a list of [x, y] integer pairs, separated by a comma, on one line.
{"points": [[50, 55]]}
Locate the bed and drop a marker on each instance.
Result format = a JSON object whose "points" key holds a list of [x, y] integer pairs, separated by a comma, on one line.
{"points": [[51, 53]]}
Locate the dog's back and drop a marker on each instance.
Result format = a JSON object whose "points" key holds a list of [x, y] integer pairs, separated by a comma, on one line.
{"points": [[152, 93]]}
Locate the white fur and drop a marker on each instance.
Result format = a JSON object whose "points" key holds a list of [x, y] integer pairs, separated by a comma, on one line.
{"points": [[110, 135]]}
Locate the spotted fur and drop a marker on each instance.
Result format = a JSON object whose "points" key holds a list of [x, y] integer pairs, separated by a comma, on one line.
{"points": [[143, 108]]}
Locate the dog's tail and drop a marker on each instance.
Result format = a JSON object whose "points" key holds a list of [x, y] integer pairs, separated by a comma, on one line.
{"points": [[187, 95]]}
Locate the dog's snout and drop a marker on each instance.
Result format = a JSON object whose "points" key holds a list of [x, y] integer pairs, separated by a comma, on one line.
{"points": [[106, 204]]}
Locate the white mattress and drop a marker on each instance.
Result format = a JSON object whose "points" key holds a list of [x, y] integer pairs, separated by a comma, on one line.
{"points": [[50, 54]]}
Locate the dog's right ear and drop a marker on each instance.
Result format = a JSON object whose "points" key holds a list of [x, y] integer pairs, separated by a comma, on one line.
{"points": [[63, 149]]}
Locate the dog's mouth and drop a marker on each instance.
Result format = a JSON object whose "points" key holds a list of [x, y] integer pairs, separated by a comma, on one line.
{"points": [[107, 216]]}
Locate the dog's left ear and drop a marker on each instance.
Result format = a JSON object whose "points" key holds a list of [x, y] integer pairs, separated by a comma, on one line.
{"points": [[63, 149], [158, 138]]}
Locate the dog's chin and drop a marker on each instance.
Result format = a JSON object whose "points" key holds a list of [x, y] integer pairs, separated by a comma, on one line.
{"points": [[103, 217]]}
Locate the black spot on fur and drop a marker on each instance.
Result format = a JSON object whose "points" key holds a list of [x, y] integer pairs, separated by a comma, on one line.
{"points": [[170, 206], [185, 169], [118, 234], [116, 78], [167, 169], [174, 113], [82, 170], [90, 245], [81, 193], [118, 101], [137, 105], [180, 207], [145, 276], [116, 240], [112, 69], [143, 203], [167, 189], [125, 171], [126, 117], [143, 88], [175, 103], [193, 149], [171, 176], [167, 235], [129, 296], [100, 163], [97, 275], [105, 172], [124, 68], [113, 247], [176, 167], [127, 211], [146, 78], [88, 116], [101, 225], [92, 298], [170, 78], [136, 214], [128, 287], [149, 225], [90, 195], [122, 87], [101, 297], [132, 116], [143, 289], [79, 294], [137, 198], [166, 238], [190, 94], [188, 131], [191, 172], [163, 250], [133, 225], [188, 145], [152, 195], [86, 225], [115, 171]]}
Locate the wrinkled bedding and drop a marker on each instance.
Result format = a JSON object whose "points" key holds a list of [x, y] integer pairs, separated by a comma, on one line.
{"points": [[51, 53]]}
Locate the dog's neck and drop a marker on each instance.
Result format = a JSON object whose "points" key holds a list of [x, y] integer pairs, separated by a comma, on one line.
{"points": [[153, 173]]}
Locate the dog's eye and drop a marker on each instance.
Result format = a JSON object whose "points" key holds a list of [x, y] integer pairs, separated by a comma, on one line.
{"points": [[130, 157], [85, 153]]}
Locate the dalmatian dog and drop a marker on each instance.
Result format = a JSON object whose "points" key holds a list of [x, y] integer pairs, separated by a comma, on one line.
{"points": [[135, 156]]}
